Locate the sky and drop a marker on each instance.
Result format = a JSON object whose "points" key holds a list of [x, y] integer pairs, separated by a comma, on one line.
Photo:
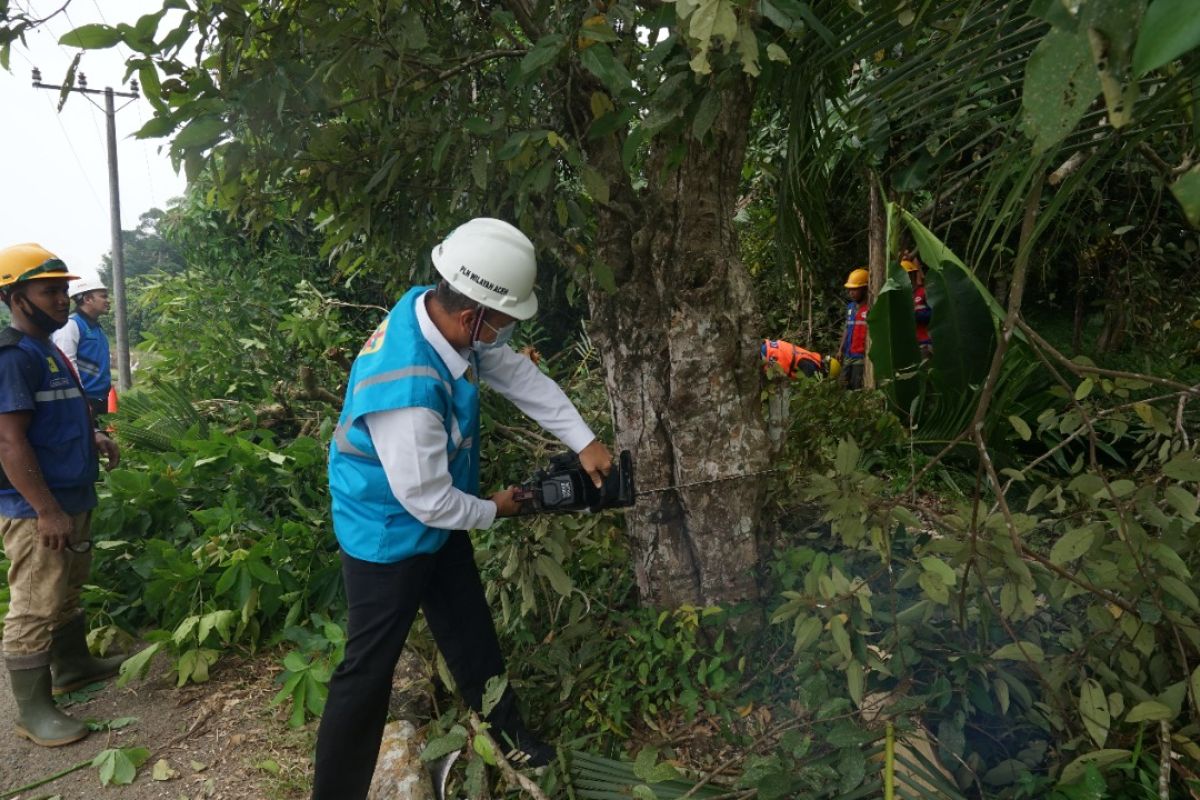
{"points": [[54, 166]]}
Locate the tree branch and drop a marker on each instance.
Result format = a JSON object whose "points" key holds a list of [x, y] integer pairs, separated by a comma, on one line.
{"points": [[1083, 369]]}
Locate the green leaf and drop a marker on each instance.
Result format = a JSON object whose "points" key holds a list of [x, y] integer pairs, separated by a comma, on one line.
{"points": [[1149, 710], [855, 681], [777, 53], [545, 51], [1180, 591], [1021, 427], [1098, 758], [456, 739], [483, 747], [598, 60], [846, 459], [892, 331], [934, 587], [155, 128], [1186, 189], [119, 766], [137, 664], [805, 631], [550, 569], [1072, 545], [492, 693], [595, 185], [841, 637], [91, 37], [940, 568], [200, 133], [1182, 501], [1093, 708], [1183, 467], [1169, 29], [851, 769], [1022, 651], [1060, 84], [709, 107], [1084, 388]]}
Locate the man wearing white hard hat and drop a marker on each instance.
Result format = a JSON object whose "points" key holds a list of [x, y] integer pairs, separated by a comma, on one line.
{"points": [[84, 342], [404, 481]]}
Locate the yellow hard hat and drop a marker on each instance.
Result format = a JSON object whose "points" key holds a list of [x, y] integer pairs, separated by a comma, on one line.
{"points": [[30, 262], [909, 266], [858, 279], [833, 367]]}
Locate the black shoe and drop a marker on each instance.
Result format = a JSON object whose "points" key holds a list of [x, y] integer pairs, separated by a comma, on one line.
{"points": [[525, 750]]}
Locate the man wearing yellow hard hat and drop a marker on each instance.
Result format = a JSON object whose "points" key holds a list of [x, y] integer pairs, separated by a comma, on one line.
{"points": [[48, 451], [921, 310], [854, 341]]}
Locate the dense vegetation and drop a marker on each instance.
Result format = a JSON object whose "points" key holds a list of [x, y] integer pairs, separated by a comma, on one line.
{"points": [[975, 580]]}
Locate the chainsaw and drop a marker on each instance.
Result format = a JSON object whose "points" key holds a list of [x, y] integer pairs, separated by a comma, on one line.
{"points": [[565, 487]]}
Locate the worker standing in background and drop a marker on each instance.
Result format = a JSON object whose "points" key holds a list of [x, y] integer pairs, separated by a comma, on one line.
{"points": [[84, 342], [854, 341], [921, 310]]}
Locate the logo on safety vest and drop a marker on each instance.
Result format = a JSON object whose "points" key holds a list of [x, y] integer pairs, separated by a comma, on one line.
{"points": [[53, 364], [375, 343]]}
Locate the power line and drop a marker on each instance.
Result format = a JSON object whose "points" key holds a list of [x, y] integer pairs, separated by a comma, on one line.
{"points": [[78, 160]]}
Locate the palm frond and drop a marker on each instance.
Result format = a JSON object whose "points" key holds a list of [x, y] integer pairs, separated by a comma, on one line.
{"points": [[157, 417]]}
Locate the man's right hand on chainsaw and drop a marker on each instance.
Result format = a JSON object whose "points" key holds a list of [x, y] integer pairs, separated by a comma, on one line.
{"points": [[506, 505], [596, 461]]}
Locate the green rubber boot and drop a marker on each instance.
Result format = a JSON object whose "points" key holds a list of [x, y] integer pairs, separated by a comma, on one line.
{"points": [[38, 719], [72, 664]]}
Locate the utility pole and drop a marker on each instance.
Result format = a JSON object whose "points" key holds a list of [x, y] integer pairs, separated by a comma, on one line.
{"points": [[124, 375]]}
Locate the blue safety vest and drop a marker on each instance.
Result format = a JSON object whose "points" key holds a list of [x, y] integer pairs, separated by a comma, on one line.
{"points": [[92, 358], [60, 430], [397, 368]]}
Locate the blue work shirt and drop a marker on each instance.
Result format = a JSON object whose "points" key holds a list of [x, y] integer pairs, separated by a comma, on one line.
{"points": [[35, 377]]}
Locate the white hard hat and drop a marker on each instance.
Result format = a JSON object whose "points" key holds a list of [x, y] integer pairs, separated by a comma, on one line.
{"points": [[492, 263], [85, 283]]}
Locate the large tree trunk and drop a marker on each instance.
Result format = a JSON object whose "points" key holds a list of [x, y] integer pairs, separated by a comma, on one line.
{"points": [[679, 341]]}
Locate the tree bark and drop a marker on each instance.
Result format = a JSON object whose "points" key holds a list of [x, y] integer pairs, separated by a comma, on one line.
{"points": [[876, 258], [679, 343]]}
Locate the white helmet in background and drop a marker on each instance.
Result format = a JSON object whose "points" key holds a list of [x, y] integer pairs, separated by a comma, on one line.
{"points": [[492, 263], [85, 284]]}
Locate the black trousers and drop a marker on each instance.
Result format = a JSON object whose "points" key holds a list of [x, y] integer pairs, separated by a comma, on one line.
{"points": [[383, 600]]}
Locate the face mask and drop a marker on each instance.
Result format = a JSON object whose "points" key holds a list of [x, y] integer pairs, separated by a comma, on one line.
{"points": [[503, 336], [40, 318]]}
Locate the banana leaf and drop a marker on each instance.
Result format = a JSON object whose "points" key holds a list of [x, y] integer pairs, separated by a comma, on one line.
{"points": [[893, 335]]}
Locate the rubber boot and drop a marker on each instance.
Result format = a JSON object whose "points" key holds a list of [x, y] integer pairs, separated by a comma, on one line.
{"points": [[72, 664], [38, 719]]}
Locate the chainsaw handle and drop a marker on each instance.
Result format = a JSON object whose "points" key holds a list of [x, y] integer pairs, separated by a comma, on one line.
{"points": [[525, 497]]}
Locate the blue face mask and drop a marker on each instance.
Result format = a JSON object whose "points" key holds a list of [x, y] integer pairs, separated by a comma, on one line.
{"points": [[503, 336]]}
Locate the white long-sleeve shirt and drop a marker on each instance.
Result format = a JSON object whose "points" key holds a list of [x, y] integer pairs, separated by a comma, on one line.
{"points": [[411, 442], [66, 339]]}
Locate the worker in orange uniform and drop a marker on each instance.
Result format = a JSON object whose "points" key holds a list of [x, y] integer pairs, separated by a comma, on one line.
{"points": [[793, 360], [854, 342], [921, 309]]}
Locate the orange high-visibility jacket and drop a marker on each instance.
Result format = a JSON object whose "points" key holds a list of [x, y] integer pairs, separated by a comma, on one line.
{"points": [[792, 359]]}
